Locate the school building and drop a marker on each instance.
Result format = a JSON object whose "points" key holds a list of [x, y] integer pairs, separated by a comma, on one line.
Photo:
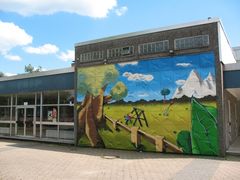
{"points": [[174, 89]]}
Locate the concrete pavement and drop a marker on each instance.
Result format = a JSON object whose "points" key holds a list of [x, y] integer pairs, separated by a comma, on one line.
{"points": [[34, 160]]}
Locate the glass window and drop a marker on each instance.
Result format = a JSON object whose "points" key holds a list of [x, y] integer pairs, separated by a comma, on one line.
{"points": [[37, 130], [13, 129], [50, 97], [38, 113], [66, 132], [66, 114], [49, 131], [13, 114], [67, 97], [5, 100], [5, 113], [4, 129], [26, 98], [38, 98], [50, 113]]}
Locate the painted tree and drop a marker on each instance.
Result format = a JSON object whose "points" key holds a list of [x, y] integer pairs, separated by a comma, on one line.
{"points": [[92, 83], [164, 93]]}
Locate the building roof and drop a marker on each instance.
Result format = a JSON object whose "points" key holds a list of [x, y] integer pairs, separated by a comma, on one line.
{"points": [[38, 74], [236, 52], [195, 23]]}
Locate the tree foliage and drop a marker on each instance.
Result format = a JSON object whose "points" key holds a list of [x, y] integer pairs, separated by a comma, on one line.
{"points": [[30, 69], [165, 92], [93, 79], [1, 74], [119, 91]]}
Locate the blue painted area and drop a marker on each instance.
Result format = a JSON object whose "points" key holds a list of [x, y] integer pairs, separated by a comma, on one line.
{"points": [[231, 79], [147, 77], [35, 84]]}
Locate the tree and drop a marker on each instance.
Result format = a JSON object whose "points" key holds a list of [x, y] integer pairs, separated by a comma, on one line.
{"points": [[164, 93], [92, 83], [1, 74], [29, 69]]}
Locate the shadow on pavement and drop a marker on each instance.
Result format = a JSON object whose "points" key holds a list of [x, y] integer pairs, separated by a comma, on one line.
{"points": [[105, 153]]}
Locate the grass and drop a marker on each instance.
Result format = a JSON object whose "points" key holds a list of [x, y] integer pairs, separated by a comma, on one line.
{"points": [[178, 119]]}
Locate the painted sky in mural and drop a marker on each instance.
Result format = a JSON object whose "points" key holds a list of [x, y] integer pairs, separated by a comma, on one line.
{"points": [[146, 78]]}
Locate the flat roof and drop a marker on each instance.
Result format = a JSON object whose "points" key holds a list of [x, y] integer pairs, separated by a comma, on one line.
{"points": [[184, 25], [38, 74]]}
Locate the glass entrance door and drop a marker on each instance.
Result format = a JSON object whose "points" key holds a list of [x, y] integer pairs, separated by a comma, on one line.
{"points": [[20, 121], [25, 121]]}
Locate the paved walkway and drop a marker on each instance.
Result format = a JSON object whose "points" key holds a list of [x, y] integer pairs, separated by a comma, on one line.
{"points": [[34, 160]]}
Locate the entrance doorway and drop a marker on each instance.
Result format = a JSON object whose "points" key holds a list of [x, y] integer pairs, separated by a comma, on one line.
{"points": [[25, 121]]}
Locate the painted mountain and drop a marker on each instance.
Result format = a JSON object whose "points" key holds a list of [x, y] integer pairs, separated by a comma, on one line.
{"points": [[196, 87]]}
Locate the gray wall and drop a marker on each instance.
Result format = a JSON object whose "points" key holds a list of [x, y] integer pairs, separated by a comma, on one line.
{"points": [[231, 117]]}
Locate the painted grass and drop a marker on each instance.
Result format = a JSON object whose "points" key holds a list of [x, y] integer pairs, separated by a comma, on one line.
{"points": [[178, 119]]}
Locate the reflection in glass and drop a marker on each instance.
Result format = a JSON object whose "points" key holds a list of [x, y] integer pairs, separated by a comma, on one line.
{"points": [[20, 122], [5, 113], [50, 113], [26, 98], [5, 100], [29, 121], [67, 97], [4, 129], [49, 131], [50, 97], [66, 113], [66, 132]]}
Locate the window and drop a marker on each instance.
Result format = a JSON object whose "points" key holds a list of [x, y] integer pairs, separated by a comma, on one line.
{"points": [[49, 131], [26, 98], [4, 129], [5, 113], [118, 52], [91, 56], [50, 114], [66, 132], [66, 114], [50, 97], [5, 100], [153, 47], [67, 97], [191, 42]]}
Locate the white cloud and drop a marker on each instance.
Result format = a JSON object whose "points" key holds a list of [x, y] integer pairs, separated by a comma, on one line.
{"points": [[128, 63], [92, 8], [44, 49], [141, 95], [184, 64], [67, 56], [121, 10], [12, 36], [138, 76], [12, 57], [9, 74], [180, 82]]}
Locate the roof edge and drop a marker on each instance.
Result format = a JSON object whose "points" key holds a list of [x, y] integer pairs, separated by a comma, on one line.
{"points": [[195, 23], [38, 74]]}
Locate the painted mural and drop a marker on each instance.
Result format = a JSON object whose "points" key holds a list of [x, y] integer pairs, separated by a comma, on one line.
{"points": [[163, 105]]}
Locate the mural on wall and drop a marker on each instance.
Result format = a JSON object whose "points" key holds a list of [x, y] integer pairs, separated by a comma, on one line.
{"points": [[163, 104]]}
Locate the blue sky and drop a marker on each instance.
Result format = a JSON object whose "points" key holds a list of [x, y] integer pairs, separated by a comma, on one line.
{"points": [[43, 33], [146, 78]]}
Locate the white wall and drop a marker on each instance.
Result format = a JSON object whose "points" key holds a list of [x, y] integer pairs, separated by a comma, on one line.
{"points": [[225, 50]]}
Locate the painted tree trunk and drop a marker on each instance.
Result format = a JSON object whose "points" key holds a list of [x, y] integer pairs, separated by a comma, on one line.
{"points": [[90, 118]]}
